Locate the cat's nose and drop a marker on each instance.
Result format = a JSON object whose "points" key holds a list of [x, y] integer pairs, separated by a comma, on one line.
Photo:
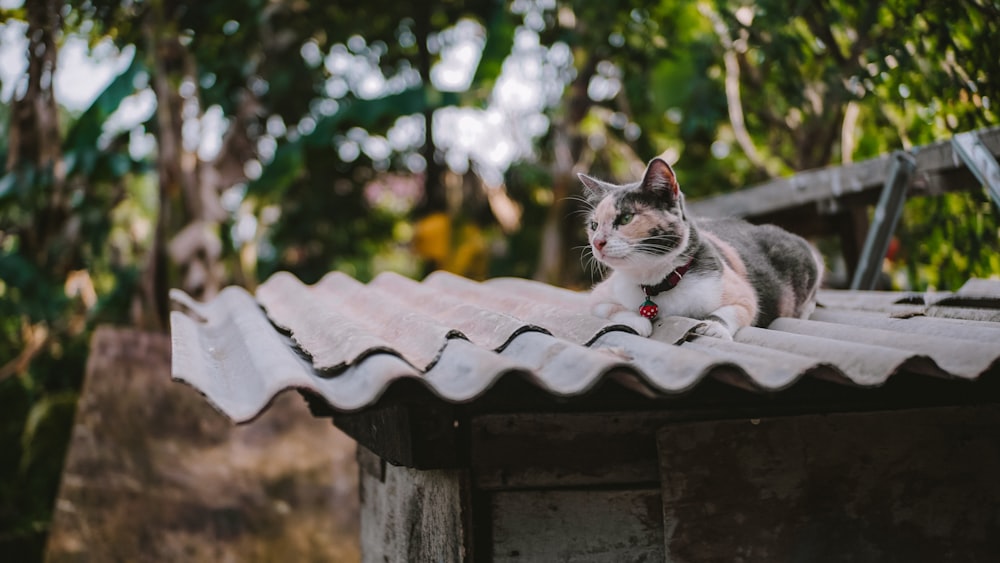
{"points": [[599, 243]]}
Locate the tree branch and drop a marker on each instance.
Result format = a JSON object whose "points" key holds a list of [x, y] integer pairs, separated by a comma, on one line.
{"points": [[435, 199], [823, 32], [734, 101], [847, 140], [567, 149], [35, 337], [752, 74]]}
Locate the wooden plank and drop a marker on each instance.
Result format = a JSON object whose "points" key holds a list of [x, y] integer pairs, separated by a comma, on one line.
{"points": [[917, 485], [807, 187], [423, 436], [413, 515], [581, 526], [518, 451], [933, 162], [550, 450]]}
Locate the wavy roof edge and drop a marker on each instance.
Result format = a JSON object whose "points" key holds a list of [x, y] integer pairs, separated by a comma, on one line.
{"points": [[234, 352]]}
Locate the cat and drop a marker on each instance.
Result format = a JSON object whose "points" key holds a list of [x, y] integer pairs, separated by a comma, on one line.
{"points": [[727, 272]]}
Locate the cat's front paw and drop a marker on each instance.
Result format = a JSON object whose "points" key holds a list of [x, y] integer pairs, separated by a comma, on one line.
{"points": [[618, 313], [641, 325], [606, 310], [714, 329]]}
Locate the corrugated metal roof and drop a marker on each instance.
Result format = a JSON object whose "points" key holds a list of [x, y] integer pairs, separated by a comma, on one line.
{"points": [[348, 342]]}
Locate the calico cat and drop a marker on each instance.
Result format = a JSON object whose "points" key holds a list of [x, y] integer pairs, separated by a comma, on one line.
{"points": [[726, 271]]}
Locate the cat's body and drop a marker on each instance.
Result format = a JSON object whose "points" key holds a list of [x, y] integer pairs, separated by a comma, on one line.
{"points": [[726, 271]]}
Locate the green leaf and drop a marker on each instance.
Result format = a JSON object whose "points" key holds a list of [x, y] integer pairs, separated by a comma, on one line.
{"points": [[47, 429], [7, 184], [80, 147], [15, 402], [369, 113], [39, 299], [499, 43], [289, 162], [120, 164], [287, 165]]}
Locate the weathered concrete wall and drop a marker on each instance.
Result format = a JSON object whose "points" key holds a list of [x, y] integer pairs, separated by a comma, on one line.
{"points": [[155, 474]]}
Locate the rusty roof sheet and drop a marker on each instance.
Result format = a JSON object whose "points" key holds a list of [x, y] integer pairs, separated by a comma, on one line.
{"points": [[348, 342]]}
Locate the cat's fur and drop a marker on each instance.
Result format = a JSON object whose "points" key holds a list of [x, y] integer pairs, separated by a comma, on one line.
{"points": [[741, 274]]}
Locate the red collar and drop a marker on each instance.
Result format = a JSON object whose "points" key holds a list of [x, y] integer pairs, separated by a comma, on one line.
{"points": [[669, 282]]}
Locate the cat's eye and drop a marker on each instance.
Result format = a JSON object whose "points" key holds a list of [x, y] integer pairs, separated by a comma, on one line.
{"points": [[624, 219], [593, 225]]}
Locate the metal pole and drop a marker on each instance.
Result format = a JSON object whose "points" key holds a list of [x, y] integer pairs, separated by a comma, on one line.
{"points": [[980, 161], [887, 213]]}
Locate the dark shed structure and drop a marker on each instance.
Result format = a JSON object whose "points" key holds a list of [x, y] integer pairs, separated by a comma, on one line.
{"points": [[498, 421]]}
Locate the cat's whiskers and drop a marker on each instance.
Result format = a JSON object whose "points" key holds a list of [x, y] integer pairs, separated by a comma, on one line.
{"points": [[586, 201], [587, 209], [587, 259], [586, 253], [658, 244], [590, 263], [596, 269]]}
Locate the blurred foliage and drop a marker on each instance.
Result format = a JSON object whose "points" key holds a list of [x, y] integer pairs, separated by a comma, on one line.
{"points": [[948, 239], [339, 150]]}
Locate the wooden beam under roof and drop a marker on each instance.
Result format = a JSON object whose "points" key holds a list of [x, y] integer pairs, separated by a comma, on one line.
{"points": [[938, 169]]}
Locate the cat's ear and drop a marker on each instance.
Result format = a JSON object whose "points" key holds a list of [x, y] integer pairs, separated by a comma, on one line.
{"points": [[596, 189], [660, 179]]}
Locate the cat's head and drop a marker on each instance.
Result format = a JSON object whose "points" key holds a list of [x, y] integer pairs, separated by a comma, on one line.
{"points": [[637, 227]]}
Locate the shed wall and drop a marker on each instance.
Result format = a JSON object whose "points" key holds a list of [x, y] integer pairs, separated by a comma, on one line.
{"points": [[410, 515], [884, 486], [578, 526]]}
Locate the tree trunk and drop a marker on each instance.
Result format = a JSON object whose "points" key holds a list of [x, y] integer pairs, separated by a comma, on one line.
{"points": [[163, 47], [554, 263], [33, 140], [435, 199], [186, 238]]}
